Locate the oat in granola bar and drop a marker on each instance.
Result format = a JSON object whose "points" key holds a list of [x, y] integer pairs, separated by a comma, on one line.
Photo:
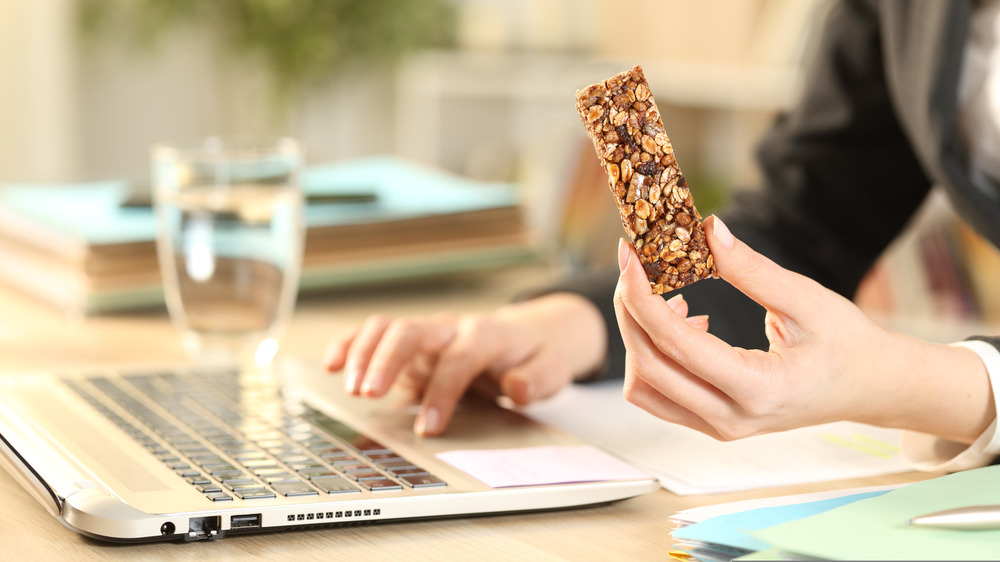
{"points": [[653, 198]]}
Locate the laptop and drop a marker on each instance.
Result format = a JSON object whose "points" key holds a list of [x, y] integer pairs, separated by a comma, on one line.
{"points": [[179, 453]]}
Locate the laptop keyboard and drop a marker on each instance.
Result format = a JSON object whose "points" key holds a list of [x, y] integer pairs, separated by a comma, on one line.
{"points": [[239, 442]]}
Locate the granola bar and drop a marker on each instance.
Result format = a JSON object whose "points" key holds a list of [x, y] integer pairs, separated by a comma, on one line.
{"points": [[653, 198]]}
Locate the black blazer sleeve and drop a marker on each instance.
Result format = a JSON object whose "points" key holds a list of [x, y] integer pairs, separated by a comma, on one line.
{"points": [[841, 177]]}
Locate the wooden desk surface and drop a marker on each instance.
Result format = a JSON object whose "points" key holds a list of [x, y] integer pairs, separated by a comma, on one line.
{"points": [[34, 337]]}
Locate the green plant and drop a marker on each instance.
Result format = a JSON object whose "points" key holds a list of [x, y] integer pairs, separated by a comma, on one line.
{"points": [[298, 41]]}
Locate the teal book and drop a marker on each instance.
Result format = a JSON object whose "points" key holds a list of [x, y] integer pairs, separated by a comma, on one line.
{"points": [[90, 247]]}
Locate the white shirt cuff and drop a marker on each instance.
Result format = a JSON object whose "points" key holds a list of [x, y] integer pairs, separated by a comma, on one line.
{"points": [[931, 453]]}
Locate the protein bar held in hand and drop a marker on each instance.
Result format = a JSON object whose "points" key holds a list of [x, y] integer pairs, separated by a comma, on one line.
{"points": [[653, 198]]}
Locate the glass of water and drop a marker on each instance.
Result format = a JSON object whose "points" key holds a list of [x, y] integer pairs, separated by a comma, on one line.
{"points": [[230, 237]]}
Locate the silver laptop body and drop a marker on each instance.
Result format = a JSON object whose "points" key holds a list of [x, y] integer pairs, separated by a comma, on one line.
{"points": [[173, 453]]}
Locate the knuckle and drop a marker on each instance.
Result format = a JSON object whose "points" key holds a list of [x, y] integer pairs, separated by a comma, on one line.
{"points": [[460, 355], [731, 430], [757, 408], [623, 294], [754, 262], [374, 324], [766, 403], [458, 362], [631, 390], [378, 319], [480, 330], [669, 348], [398, 328], [619, 301], [474, 324]]}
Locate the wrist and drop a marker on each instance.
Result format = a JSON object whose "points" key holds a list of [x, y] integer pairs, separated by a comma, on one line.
{"points": [[926, 452], [936, 389], [990, 357]]}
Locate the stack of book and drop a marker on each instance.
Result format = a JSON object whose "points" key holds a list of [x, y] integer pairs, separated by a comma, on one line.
{"points": [[92, 247], [854, 524]]}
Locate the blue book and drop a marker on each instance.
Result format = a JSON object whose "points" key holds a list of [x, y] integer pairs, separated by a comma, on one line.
{"points": [[90, 247]]}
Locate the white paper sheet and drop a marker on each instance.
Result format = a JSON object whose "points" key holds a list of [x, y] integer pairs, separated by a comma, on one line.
{"points": [[689, 462]]}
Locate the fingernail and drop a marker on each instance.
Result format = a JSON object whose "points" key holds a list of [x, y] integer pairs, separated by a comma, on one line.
{"points": [[722, 234], [427, 423], [700, 320], [332, 354], [352, 379], [675, 301], [521, 390], [373, 378], [624, 254]]}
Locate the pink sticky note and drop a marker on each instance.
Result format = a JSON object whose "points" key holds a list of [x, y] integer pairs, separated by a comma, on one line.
{"points": [[534, 466]]}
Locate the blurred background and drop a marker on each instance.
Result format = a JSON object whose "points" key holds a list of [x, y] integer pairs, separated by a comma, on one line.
{"points": [[483, 88]]}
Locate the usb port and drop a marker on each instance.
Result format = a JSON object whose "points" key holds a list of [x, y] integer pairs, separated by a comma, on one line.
{"points": [[244, 521]]}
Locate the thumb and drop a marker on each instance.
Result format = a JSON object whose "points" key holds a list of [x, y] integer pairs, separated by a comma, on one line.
{"points": [[756, 276]]}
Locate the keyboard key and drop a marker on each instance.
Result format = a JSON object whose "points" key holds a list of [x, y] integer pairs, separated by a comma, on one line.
{"points": [[279, 451], [219, 497], [293, 458], [208, 488], [353, 467], [240, 483], [381, 485], [334, 455], [360, 475], [304, 465], [294, 488], [280, 477], [325, 474], [244, 455], [345, 462], [233, 448], [216, 465], [208, 459], [315, 471], [335, 485], [259, 463], [407, 471], [254, 494], [382, 456], [264, 472], [323, 447], [422, 481]]}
